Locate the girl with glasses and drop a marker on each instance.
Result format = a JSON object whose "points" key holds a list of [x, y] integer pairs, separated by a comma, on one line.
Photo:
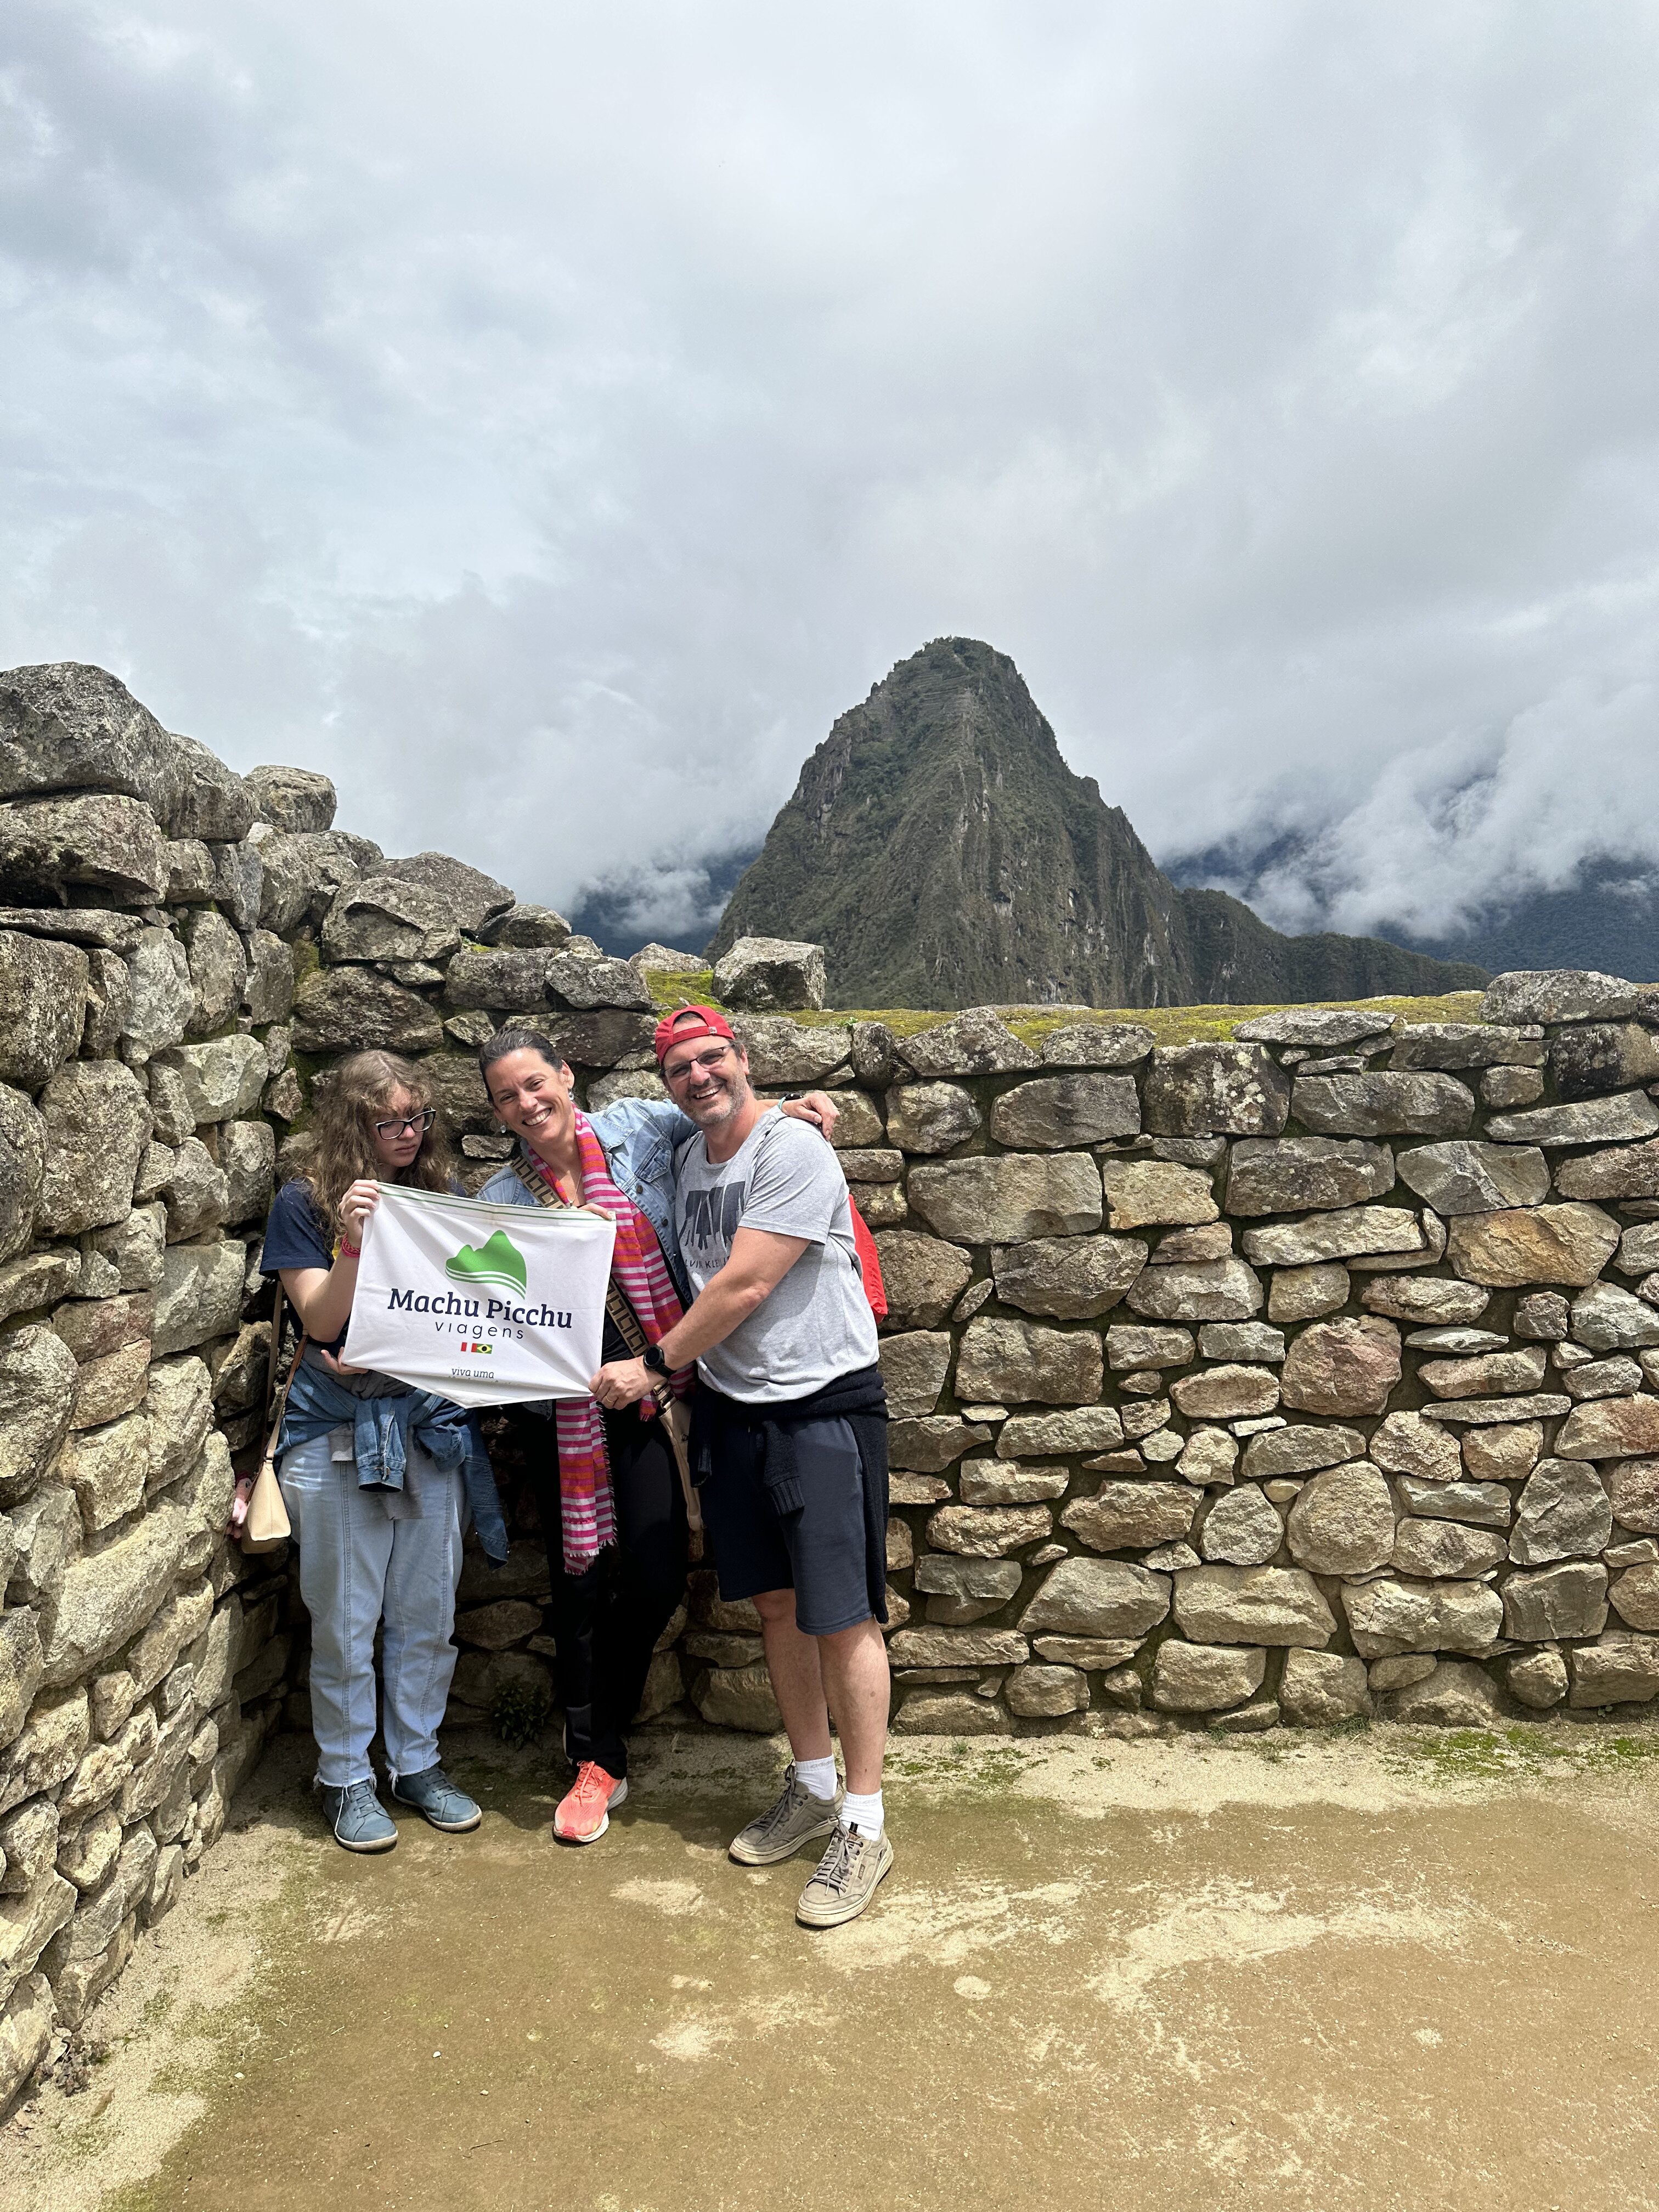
{"points": [[378, 1479]]}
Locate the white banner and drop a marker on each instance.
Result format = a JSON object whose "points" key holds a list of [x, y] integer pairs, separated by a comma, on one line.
{"points": [[488, 1305]]}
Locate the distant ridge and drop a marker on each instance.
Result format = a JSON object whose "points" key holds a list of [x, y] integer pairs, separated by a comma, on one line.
{"points": [[944, 855]]}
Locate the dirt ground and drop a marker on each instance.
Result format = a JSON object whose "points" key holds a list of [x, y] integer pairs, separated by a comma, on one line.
{"points": [[1381, 1970]]}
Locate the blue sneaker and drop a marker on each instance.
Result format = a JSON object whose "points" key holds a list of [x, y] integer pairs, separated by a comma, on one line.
{"points": [[432, 1793], [360, 1821]]}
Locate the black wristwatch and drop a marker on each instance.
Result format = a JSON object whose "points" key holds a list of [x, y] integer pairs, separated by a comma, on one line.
{"points": [[652, 1361]]}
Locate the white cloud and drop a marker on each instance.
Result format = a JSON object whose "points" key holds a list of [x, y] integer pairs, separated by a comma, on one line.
{"points": [[547, 419]]}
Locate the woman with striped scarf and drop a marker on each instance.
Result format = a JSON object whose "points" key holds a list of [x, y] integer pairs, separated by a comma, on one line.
{"points": [[607, 1484]]}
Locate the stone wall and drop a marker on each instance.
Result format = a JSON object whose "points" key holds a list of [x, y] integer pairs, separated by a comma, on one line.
{"points": [[1308, 1375]]}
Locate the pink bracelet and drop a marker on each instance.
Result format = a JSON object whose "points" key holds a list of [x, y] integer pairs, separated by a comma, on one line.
{"points": [[351, 1251]]}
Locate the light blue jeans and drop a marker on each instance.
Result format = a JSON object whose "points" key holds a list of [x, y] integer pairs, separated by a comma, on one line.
{"points": [[364, 1557]]}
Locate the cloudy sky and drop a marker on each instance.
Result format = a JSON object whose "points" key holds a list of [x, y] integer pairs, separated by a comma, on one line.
{"points": [[547, 418]]}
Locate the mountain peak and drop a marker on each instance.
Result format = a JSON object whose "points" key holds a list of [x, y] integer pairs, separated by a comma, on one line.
{"points": [[942, 852]]}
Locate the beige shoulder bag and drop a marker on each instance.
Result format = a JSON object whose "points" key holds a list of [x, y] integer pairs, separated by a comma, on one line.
{"points": [[265, 1524], [674, 1413]]}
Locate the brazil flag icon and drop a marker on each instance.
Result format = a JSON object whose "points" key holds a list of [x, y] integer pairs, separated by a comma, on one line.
{"points": [[500, 1261]]}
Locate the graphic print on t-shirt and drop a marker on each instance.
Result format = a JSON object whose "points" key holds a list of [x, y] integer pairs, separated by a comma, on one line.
{"points": [[709, 1222]]}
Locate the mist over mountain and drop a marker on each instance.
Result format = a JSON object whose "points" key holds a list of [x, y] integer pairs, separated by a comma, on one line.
{"points": [[940, 849], [1608, 918]]}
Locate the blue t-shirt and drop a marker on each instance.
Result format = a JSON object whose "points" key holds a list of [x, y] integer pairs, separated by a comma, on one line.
{"points": [[295, 1236]]}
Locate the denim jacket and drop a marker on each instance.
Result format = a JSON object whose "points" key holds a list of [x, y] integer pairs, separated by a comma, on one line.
{"points": [[639, 1137], [381, 1428]]}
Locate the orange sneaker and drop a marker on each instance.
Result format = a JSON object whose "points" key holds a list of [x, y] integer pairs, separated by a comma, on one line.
{"points": [[584, 1813]]}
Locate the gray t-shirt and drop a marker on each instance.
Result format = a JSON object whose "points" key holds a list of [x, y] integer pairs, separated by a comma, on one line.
{"points": [[817, 1324]]}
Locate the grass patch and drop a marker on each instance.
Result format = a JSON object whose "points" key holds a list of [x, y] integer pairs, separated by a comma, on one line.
{"points": [[1170, 1025]]}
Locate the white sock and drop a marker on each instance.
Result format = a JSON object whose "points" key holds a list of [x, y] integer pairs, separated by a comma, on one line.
{"points": [[862, 1813], [818, 1775]]}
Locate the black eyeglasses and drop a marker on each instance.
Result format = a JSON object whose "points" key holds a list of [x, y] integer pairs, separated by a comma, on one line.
{"points": [[705, 1061], [406, 1127]]}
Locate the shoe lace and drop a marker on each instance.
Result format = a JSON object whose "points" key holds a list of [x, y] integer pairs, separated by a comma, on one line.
{"points": [[836, 1867], [359, 1797], [794, 1793], [592, 1780]]}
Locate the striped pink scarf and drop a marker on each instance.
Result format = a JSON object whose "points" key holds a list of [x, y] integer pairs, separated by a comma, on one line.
{"points": [[587, 1505]]}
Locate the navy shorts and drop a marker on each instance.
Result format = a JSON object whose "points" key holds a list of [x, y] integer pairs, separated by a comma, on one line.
{"points": [[822, 1548]]}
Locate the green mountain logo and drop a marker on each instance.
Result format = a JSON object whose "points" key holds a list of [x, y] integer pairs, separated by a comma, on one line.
{"points": [[500, 1261]]}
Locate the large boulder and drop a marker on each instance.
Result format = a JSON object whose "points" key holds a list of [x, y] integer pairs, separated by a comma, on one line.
{"points": [[381, 917], [43, 989], [1603, 1056], [770, 976], [1563, 1513], [67, 725], [304, 873], [1383, 1104], [39, 1379], [1071, 1278], [345, 1009], [200, 1294], [1223, 1089], [1205, 1678], [1567, 1600], [1608, 1319], [585, 979], [1017, 1362], [1097, 1597], [976, 1042], [1126, 1516], [218, 971], [105, 1598], [1143, 1193], [1346, 1366], [97, 1122], [1348, 1233], [1242, 1528], [248, 1157], [1621, 1119], [794, 1052], [1465, 1044], [1318, 1689], [1557, 994], [163, 997], [1052, 1112], [268, 994], [913, 1366], [1199, 1290], [1008, 1199], [526, 924], [468, 896], [1342, 1522], [23, 1171], [1391, 1616], [923, 1277], [294, 799], [1217, 1604], [1293, 1174], [1614, 1670], [931, 1117], [222, 1080], [1570, 1244], [988, 1532], [1462, 1177], [106, 843], [214, 801]]}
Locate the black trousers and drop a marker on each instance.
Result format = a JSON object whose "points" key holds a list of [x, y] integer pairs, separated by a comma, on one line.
{"points": [[606, 1619]]}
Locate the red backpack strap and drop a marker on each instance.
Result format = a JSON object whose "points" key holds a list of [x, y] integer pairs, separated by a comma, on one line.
{"points": [[869, 1262]]}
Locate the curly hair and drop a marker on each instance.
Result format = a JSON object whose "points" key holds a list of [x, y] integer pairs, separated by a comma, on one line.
{"points": [[338, 1147]]}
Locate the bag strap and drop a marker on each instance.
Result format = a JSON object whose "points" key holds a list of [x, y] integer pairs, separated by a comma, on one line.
{"points": [[545, 1192]]}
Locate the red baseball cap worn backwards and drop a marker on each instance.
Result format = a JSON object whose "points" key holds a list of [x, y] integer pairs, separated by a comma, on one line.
{"points": [[686, 1023]]}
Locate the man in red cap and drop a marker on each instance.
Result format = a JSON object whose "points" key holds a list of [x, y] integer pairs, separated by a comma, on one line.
{"points": [[788, 1443]]}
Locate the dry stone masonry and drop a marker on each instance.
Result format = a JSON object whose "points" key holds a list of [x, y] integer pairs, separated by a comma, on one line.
{"points": [[1304, 1376]]}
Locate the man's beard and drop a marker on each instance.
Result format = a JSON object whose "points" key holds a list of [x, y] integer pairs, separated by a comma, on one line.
{"points": [[728, 1100]]}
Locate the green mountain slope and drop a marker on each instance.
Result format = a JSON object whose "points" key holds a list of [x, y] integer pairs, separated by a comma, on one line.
{"points": [[941, 851]]}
